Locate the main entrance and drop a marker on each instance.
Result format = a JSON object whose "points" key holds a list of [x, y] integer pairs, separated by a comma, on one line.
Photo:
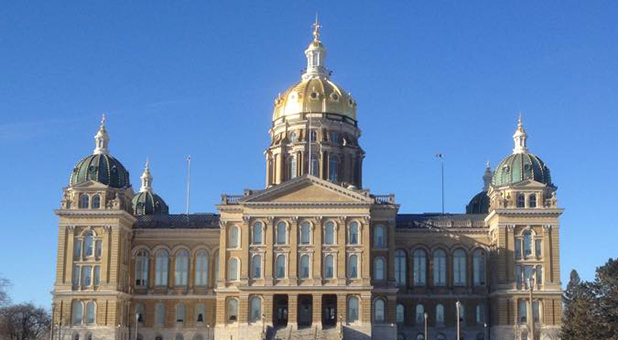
{"points": [[329, 310], [280, 310], [305, 308]]}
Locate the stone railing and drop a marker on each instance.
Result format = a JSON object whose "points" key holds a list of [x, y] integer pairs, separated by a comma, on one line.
{"points": [[384, 199], [231, 199]]}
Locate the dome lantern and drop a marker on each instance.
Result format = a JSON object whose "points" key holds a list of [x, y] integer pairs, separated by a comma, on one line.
{"points": [[487, 177], [316, 54], [146, 202], [146, 178], [101, 139], [520, 138]]}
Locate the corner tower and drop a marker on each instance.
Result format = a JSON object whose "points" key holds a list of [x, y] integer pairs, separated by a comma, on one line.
{"points": [[314, 129]]}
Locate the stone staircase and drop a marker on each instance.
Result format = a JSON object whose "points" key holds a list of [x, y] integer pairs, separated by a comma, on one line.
{"points": [[305, 333]]}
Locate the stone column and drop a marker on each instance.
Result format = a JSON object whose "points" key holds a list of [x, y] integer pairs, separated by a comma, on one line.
{"points": [[342, 307], [317, 255], [269, 227], [243, 309], [244, 244], [293, 259], [547, 255], [366, 255], [293, 311], [222, 255], [342, 260], [317, 311], [267, 309], [68, 265], [510, 253]]}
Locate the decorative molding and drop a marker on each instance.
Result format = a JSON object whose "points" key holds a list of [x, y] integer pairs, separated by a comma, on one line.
{"points": [[547, 228]]}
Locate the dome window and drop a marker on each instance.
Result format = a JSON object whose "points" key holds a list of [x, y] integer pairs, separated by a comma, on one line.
{"points": [[335, 97], [293, 137], [350, 102], [314, 95], [507, 169]]}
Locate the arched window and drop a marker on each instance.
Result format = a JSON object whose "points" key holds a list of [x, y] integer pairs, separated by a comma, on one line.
{"points": [[420, 336], [90, 312], [76, 336], [353, 234], [86, 278], [532, 201], [521, 201], [400, 313], [256, 233], [480, 314], [329, 233], [281, 266], [256, 309], [232, 310], [304, 266], [88, 244], [180, 313], [478, 267], [353, 309], [400, 267], [96, 202], [234, 237], [141, 268], [160, 314], [459, 267], [83, 201], [522, 311], [201, 268], [378, 311], [256, 267], [233, 269], [379, 237], [305, 233], [140, 311], [439, 268], [328, 267], [181, 268], [200, 312], [420, 314], [439, 315], [281, 233], [527, 243], [353, 267], [292, 166], [161, 267], [333, 167], [420, 267], [378, 269], [78, 312], [216, 269]]}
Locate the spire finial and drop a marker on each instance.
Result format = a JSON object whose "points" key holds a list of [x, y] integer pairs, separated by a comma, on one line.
{"points": [[316, 29], [487, 176], [101, 139], [520, 137], [146, 178], [315, 53]]}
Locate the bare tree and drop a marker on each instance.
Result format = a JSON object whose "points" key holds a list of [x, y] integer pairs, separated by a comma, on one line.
{"points": [[24, 322], [4, 295]]}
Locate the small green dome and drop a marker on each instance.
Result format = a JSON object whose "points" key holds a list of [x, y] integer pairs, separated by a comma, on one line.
{"points": [[101, 168], [147, 203], [520, 167], [479, 204]]}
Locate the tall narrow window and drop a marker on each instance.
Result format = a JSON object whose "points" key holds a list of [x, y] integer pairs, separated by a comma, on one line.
{"points": [[160, 314], [462, 314], [439, 268], [304, 266], [141, 268], [535, 310], [328, 267], [97, 275], [518, 248], [532, 201], [378, 269], [98, 245], [256, 234], [333, 167], [480, 314], [420, 314], [140, 311], [281, 233], [353, 267], [420, 267], [538, 247], [256, 309], [329, 233], [353, 237], [439, 315], [232, 310], [256, 267], [77, 249], [180, 313], [280, 266], [378, 311], [352, 309], [522, 311], [521, 201], [478, 267], [96, 202], [527, 243], [86, 278], [76, 275], [379, 237], [459, 268], [400, 267], [200, 312], [305, 233], [78, 312], [539, 275], [201, 268], [234, 237], [83, 201], [181, 268], [90, 312], [315, 165], [313, 135], [88, 244], [216, 269], [399, 313], [518, 275], [161, 267], [233, 269], [292, 167]]}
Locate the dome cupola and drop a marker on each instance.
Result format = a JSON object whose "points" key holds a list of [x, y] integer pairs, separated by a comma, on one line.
{"points": [[101, 166], [146, 202], [521, 165], [479, 204]]}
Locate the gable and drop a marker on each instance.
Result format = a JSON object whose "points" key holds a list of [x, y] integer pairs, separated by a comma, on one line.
{"points": [[311, 193]]}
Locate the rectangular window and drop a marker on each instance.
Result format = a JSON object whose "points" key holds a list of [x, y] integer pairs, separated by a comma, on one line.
{"points": [[518, 249], [518, 276], [538, 247], [77, 250], [98, 244], [97, 275], [86, 272], [76, 273]]}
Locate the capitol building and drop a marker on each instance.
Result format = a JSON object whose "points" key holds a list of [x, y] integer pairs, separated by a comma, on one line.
{"points": [[313, 254]]}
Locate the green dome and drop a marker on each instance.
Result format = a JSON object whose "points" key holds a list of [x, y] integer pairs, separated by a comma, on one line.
{"points": [[101, 168], [520, 167], [147, 203], [479, 204]]}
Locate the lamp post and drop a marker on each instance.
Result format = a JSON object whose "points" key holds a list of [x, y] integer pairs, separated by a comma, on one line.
{"points": [[426, 317], [485, 328], [207, 331], [457, 307], [136, 323], [531, 283], [263, 326]]}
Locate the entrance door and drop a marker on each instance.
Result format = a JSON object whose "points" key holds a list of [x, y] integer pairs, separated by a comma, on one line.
{"points": [[305, 308], [280, 304], [329, 310]]}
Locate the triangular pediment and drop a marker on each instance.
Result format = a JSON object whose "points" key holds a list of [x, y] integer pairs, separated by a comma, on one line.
{"points": [[90, 185], [308, 189], [530, 183]]}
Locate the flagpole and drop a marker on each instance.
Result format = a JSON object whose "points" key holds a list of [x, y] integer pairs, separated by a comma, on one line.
{"points": [[439, 155], [188, 184]]}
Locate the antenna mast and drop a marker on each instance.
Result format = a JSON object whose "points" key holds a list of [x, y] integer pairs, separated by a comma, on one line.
{"points": [[188, 184]]}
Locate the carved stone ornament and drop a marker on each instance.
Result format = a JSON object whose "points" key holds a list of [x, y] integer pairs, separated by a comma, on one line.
{"points": [[366, 220], [342, 219], [318, 219], [270, 219], [294, 219], [221, 224], [510, 228], [246, 219], [547, 227], [554, 200], [71, 228]]}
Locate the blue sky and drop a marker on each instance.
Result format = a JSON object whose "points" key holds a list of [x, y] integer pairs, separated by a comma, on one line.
{"points": [[188, 77]]}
